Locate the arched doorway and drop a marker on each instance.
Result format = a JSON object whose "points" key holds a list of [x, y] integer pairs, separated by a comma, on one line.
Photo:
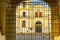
{"points": [[38, 27]]}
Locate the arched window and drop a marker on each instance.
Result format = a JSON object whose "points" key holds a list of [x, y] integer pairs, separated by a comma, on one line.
{"points": [[40, 14], [36, 14], [24, 14]]}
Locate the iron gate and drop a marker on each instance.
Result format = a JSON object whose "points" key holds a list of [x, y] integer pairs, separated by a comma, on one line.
{"points": [[37, 17]]}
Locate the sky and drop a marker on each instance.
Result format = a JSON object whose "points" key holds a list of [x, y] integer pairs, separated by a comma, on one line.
{"points": [[41, 3], [36, 0]]}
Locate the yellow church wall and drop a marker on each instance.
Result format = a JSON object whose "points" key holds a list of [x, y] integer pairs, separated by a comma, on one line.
{"points": [[18, 19], [28, 16], [33, 24]]}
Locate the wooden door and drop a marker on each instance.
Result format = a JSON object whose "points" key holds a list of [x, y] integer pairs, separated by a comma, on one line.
{"points": [[23, 23]]}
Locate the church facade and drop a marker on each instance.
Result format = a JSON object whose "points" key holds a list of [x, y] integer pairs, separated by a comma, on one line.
{"points": [[32, 19]]}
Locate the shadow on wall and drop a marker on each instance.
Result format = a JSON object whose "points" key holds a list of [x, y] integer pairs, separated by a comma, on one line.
{"points": [[2, 16], [0, 29]]}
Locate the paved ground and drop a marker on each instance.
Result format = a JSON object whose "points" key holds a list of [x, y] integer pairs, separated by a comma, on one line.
{"points": [[2, 37], [33, 37]]}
